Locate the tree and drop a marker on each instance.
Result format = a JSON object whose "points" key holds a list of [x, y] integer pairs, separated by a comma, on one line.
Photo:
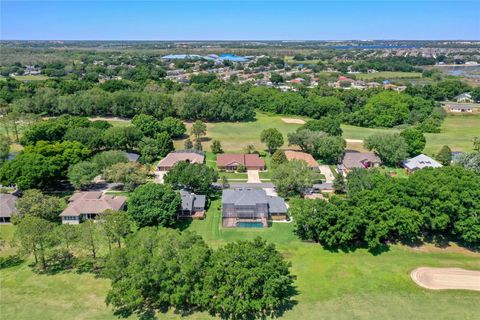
{"points": [[246, 279], [476, 143], [89, 136], [122, 138], [157, 269], [225, 183], [154, 205], [4, 148], [216, 146], [89, 237], [469, 161], [272, 138], [68, 234], [188, 145], [199, 129], [175, 127], [249, 149], [147, 124], [292, 178], [81, 174], [390, 147], [42, 165], [339, 184], [196, 177], [330, 125], [116, 225], [444, 156], [305, 139], [278, 158], [276, 78], [415, 141], [388, 109], [35, 236], [130, 174], [164, 143], [34, 203], [329, 148], [107, 159], [198, 145], [153, 149]]}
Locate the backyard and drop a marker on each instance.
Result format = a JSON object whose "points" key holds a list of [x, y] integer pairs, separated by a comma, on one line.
{"points": [[330, 285]]}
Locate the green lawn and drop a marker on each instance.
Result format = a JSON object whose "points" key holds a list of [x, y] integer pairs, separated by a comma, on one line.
{"points": [[235, 136], [388, 75], [457, 132], [330, 285]]}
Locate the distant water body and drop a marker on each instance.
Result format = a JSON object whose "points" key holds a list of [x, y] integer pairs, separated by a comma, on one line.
{"points": [[373, 47]]}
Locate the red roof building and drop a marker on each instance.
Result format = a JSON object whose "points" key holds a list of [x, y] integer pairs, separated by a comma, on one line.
{"points": [[231, 161]]}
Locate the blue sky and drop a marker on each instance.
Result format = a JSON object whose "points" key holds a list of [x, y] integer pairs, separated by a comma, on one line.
{"points": [[239, 20]]}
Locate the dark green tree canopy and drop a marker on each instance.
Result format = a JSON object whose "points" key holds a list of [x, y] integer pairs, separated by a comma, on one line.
{"points": [[196, 177], [154, 205], [415, 141]]}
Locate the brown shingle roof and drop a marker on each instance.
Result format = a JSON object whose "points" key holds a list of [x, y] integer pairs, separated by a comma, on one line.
{"points": [[7, 205], [358, 159], [92, 202], [173, 157], [248, 160], [297, 155]]}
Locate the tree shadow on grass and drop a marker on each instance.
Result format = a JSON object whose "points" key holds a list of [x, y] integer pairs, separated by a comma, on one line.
{"points": [[10, 261]]}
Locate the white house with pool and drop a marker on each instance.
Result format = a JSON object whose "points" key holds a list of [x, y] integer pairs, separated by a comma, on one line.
{"points": [[251, 208]]}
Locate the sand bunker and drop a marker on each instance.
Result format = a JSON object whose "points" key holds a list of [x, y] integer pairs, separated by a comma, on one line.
{"points": [[293, 120], [446, 278]]}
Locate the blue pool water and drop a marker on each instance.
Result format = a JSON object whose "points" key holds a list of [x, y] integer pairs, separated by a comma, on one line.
{"points": [[244, 224]]}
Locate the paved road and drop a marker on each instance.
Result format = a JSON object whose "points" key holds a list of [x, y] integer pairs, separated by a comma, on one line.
{"points": [[253, 176], [327, 172]]}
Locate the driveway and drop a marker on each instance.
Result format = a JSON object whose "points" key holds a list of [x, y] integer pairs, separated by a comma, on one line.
{"points": [[253, 176], [325, 170], [159, 176]]}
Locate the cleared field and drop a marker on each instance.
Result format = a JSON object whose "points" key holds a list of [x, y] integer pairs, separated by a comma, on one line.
{"points": [[330, 285], [388, 75]]}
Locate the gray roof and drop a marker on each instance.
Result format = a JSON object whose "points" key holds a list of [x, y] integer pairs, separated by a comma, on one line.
{"points": [[252, 197], [132, 156], [419, 162], [353, 159], [192, 200], [7, 204], [323, 186]]}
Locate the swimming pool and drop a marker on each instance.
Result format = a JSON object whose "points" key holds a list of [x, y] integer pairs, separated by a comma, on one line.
{"points": [[245, 224]]}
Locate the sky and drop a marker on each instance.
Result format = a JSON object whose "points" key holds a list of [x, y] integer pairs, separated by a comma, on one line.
{"points": [[240, 20]]}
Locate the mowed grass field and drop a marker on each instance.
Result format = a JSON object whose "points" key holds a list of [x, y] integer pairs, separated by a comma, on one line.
{"points": [[457, 133], [388, 75], [330, 285]]}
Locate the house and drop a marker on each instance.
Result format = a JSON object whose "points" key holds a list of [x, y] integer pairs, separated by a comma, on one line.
{"points": [[7, 207], [464, 97], [462, 107], [297, 155], [231, 161], [193, 205], [87, 205], [420, 162], [250, 208], [353, 159], [191, 156]]}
